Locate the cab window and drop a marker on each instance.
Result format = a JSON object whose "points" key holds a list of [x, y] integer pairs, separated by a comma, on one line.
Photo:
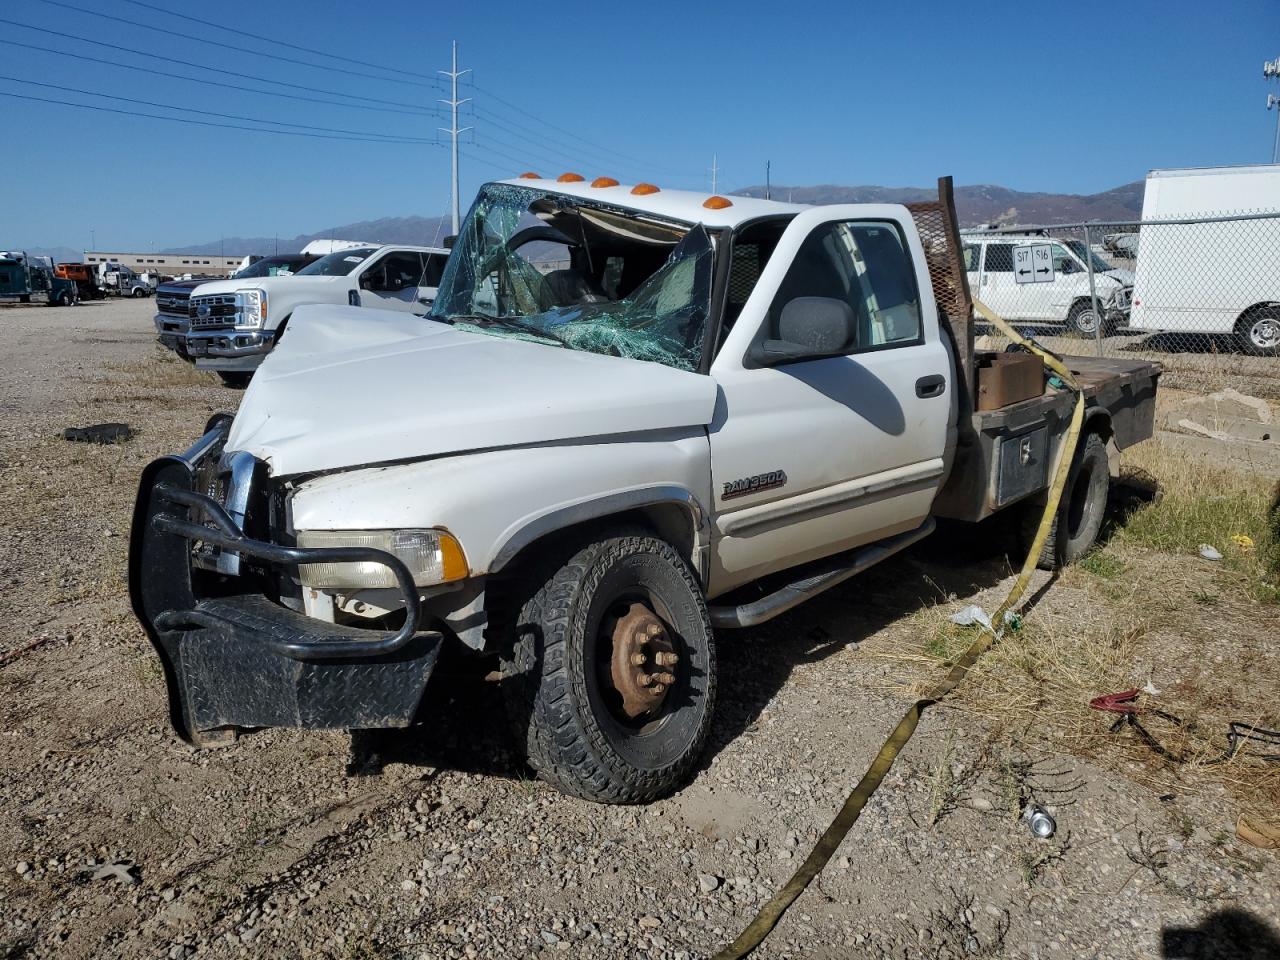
{"points": [[999, 258], [867, 265]]}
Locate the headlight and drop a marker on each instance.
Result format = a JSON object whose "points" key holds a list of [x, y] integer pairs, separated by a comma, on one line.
{"points": [[432, 556], [251, 308]]}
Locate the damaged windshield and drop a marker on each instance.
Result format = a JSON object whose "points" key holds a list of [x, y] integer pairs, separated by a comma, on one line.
{"points": [[552, 269]]}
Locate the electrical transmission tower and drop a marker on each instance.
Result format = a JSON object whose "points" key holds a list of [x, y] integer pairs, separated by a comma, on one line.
{"points": [[453, 102]]}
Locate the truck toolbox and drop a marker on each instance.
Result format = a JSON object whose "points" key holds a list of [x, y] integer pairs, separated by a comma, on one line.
{"points": [[1005, 378], [236, 659]]}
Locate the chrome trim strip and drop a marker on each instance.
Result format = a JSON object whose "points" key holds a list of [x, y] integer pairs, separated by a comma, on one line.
{"points": [[742, 522]]}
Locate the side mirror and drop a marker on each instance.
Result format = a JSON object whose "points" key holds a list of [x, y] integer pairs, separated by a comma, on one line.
{"points": [[810, 328]]}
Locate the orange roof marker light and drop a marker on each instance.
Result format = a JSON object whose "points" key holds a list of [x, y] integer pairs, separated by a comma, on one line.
{"points": [[570, 178], [529, 175], [717, 202], [604, 182], [644, 189]]}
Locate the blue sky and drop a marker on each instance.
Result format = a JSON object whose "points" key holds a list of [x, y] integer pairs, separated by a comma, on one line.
{"points": [[1072, 97]]}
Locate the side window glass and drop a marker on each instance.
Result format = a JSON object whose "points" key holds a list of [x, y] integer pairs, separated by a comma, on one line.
{"points": [[1062, 262], [999, 258], [867, 266], [970, 253], [432, 270]]}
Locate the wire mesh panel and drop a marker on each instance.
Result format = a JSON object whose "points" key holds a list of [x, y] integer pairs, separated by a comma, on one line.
{"points": [[1201, 296]]}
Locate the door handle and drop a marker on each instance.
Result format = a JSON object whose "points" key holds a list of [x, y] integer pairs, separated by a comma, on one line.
{"points": [[931, 386]]}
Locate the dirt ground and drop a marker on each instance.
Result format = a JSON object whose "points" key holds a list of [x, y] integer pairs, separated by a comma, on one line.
{"points": [[443, 847]]}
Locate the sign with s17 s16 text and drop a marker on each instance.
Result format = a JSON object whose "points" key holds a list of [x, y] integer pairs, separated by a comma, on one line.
{"points": [[1033, 263]]}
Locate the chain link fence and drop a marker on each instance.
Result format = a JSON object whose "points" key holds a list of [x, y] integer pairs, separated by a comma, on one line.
{"points": [[1200, 296]]}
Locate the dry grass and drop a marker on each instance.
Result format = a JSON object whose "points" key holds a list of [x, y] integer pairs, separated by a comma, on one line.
{"points": [[1144, 609]]}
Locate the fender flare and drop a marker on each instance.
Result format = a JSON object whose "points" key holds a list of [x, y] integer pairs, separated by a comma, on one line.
{"points": [[527, 532]]}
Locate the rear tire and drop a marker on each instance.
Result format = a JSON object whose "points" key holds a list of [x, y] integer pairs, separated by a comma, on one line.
{"points": [[560, 698], [1258, 332], [1081, 511], [235, 379]]}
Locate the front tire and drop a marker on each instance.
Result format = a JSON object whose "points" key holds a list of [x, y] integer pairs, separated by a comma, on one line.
{"points": [[623, 596], [1258, 333], [1081, 511]]}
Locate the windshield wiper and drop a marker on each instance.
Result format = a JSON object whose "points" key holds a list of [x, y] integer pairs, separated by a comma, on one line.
{"points": [[508, 323]]}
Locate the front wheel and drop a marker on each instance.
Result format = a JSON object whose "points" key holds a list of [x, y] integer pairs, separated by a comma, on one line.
{"points": [[1258, 333], [1081, 511], [610, 676], [139, 292]]}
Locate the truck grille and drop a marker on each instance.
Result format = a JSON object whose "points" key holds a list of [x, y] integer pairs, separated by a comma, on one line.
{"points": [[1124, 298], [218, 310], [173, 303]]}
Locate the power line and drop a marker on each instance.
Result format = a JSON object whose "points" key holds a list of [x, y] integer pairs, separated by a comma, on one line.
{"points": [[233, 73], [281, 43], [561, 130], [424, 112], [230, 46], [208, 123], [550, 151], [556, 145], [391, 137]]}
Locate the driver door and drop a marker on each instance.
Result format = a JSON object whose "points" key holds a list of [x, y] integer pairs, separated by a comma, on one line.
{"points": [[396, 282], [816, 456]]}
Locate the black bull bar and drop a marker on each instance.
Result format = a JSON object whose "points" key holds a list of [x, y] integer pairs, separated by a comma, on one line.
{"points": [[239, 659]]}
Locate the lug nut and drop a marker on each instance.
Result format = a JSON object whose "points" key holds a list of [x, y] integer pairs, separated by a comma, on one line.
{"points": [[644, 679], [665, 659], [659, 690], [638, 659], [664, 678], [654, 630]]}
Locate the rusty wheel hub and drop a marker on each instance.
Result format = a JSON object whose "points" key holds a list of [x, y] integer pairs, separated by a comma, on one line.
{"points": [[643, 661]]}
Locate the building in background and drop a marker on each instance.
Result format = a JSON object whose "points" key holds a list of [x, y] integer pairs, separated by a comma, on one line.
{"points": [[174, 264]]}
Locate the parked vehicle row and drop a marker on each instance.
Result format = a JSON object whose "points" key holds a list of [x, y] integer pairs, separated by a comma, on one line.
{"points": [[31, 279], [229, 326]]}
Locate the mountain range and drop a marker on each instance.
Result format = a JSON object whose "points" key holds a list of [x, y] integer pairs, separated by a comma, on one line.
{"points": [[975, 206]]}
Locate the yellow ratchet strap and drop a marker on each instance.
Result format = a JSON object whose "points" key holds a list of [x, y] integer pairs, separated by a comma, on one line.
{"points": [[772, 912]]}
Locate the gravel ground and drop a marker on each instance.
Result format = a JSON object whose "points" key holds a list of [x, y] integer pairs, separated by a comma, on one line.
{"points": [[118, 840]]}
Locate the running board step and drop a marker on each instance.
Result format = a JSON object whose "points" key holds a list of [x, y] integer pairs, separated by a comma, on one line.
{"points": [[835, 571]]}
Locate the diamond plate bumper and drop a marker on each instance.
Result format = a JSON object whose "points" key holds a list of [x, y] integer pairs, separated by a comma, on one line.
{"points": [[232, 657]]}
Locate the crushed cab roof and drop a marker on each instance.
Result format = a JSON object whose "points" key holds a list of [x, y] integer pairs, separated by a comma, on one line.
{"points": [[682, 205]]}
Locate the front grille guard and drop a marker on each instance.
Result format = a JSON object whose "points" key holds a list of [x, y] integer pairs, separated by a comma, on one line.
{"points": [[225, 534]]}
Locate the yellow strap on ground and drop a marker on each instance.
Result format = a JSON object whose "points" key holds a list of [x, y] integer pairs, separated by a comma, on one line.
{"points": [[772, 912]]}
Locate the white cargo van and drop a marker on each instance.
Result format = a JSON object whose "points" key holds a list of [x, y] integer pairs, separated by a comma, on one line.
{"points": [[1218, 278]]}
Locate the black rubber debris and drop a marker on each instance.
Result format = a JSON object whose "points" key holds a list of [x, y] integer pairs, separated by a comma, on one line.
{"points": [[99, 433]]}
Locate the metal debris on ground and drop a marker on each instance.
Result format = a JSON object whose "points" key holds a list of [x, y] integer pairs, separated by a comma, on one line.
{"points": [[1039, 821], [1244, 740], [126, 871], [99, 433], [1209, 552]]}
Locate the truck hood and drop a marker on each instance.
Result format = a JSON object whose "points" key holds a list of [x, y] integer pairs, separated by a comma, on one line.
{"points": [[348, 387], [271, 284], [1123, 276]]}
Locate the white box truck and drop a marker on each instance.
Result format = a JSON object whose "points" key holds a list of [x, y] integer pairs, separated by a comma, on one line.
{"points": [[1216, 278]]}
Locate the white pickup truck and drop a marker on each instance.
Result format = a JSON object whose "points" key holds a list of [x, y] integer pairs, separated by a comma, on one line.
{"points": [[232, 324], [576, 471]]}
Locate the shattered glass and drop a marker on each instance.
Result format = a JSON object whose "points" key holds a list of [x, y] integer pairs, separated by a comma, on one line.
{"points": [[491, 287]]}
